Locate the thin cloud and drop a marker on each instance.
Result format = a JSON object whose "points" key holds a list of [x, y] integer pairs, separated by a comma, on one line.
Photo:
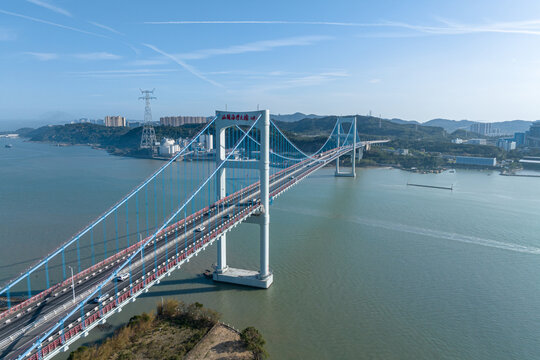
{"points": [[148, 62], [105, 27], [256, 46], [42, 56], [303, 81], [315, 79], [374, 81], [253, 73], [259, 22], [184, 65], [50, 23], [123, 73], [528, 27], [525, 27], [97, 56], [51, 7], [81, 56]]}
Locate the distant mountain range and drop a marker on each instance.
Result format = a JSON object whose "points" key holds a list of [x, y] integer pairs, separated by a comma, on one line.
{"points": [[505, 127], [297, 116]]}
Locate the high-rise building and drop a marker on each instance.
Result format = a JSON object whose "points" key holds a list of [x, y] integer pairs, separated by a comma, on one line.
{"points": [[506, 144], [115, 121], [519, 138], [533, 135], [181, 120], [481, 128], [207, 141]]}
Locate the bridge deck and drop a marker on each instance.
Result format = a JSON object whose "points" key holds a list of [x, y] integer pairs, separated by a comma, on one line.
{"points": [[173, 246]]}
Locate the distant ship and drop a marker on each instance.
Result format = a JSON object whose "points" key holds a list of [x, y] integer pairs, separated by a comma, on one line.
{"points": [[9, 145]]}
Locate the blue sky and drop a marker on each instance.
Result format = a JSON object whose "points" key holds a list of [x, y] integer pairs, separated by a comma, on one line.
{"points": [[478, 60]]}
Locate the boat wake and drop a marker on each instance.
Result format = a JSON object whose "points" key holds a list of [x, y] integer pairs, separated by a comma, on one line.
{"points": [[474, 240]]}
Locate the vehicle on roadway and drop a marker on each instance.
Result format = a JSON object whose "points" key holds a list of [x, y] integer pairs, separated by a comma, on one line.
{"points": [[100, 299], [122, 277], [200, 228], [227, 216]]}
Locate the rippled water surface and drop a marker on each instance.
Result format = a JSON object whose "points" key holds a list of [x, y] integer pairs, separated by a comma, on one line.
{"points": [[364, 268]]}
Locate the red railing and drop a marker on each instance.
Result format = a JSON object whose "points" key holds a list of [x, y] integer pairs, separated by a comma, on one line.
{"points": [[59, 341]]}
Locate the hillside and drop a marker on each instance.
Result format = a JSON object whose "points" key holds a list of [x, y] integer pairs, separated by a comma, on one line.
{"points": [[368, 128], [401, 121], [450, 125], [510, 127], [118, 140], [294, 117], [505, 127]]}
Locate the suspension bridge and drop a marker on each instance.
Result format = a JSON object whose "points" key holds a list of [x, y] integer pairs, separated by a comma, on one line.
{"points": [[181, 209]]}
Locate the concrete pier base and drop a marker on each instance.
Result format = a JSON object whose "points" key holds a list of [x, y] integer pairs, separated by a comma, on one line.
{"points": [[343, 174], [243, 277]]}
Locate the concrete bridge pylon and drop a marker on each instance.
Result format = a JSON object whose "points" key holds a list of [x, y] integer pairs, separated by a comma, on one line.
{"points": [[223, 273], [352, 121]]}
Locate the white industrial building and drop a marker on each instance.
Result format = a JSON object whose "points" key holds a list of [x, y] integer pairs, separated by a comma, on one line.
{"points": [[168, 147]]}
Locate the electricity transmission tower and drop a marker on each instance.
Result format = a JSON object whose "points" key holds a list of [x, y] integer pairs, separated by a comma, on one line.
{"points": [[148, 138]]}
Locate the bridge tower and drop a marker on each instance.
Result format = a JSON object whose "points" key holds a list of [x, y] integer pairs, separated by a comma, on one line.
{"points": [[352, 121], [223, 273]]}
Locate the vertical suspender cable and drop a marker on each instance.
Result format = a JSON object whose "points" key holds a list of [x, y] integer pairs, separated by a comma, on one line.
{"points": [[127, 223]]}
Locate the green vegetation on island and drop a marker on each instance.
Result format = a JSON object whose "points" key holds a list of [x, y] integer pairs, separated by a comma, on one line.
{"points": [[170, 334], [116, 140], [254, 342]]}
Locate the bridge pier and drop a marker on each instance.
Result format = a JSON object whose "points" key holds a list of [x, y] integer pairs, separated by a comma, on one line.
{"points": [[221, 193], [223, 273], [338, 172], [360, 154]]}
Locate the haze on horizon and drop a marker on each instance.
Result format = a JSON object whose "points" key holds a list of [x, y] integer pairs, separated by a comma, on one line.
{"points": [[415, 60]]}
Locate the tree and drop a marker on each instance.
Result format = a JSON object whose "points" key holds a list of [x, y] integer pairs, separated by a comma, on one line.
{"points": [[254, 342]]}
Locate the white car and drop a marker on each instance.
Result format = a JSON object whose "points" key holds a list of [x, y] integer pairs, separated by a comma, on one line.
{"points": [[100, 299], [122, 277], [200, 229]]}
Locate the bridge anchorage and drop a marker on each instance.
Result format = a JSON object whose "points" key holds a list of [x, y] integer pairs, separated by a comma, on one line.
{"points": [[226, 174]]}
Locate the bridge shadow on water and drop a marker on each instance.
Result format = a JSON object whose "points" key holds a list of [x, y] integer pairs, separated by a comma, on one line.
{"points": [[321, 176], [201, 280]]}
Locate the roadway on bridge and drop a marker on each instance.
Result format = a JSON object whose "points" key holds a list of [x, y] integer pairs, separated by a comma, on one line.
{"points": [[20, 331]]}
